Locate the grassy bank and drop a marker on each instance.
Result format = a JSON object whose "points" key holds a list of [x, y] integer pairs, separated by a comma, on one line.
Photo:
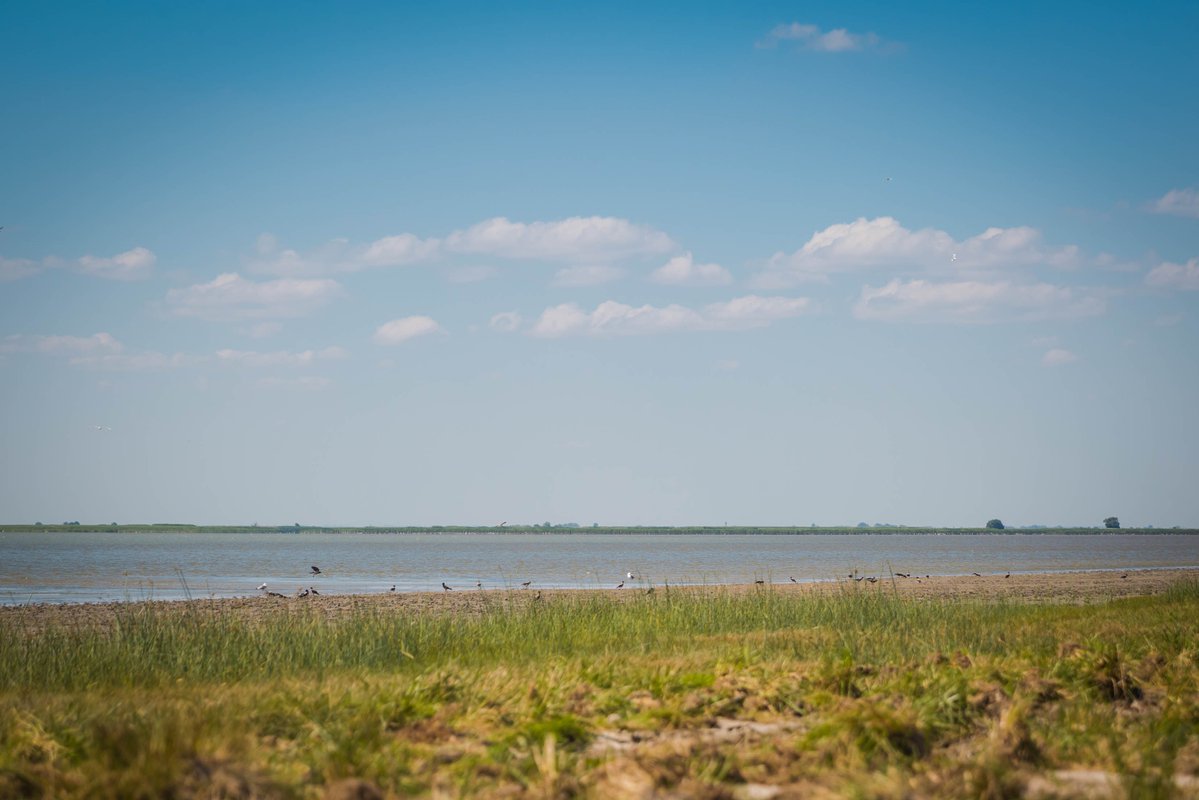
{"points": [[857, 691]]}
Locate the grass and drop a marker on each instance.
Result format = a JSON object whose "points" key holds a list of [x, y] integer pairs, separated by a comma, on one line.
{"points": [[854, 693]]}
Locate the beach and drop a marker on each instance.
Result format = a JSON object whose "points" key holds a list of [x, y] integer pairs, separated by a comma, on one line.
{"points": [[1066, 587]]}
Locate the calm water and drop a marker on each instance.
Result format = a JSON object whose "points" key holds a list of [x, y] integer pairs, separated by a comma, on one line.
{"points": [[86, 567]]}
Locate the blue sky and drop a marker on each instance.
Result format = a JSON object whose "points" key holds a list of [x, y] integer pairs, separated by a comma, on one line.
{"points": [[694, 263]]}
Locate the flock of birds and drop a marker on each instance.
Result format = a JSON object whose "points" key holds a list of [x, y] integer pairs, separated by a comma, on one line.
{"points": [[629, 576]]}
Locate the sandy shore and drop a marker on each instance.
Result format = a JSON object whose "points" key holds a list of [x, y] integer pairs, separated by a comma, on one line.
{"points": [[1070, 587]]}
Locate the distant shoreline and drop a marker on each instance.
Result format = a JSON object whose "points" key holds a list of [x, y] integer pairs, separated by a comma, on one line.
{"points": [[609, 530]]}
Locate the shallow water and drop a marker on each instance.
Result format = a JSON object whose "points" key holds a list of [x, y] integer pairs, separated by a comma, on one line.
{"points": [[96, 566]]}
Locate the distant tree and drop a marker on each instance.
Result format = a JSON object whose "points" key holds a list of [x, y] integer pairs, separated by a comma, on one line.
{"points": [[863, 525], [995, 524], [1111, 522]]}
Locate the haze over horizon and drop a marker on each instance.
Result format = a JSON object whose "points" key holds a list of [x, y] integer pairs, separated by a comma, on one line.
{"points": [[665, 266]]}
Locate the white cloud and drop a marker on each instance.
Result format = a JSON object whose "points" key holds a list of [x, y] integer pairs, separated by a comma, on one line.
{"points": [[12, 269], [1175, 276], [339, 255], [1057, 356], [728, 364], [974, 302], [617, 319], [505, 321], [1179, 202], [280, 358], [97, 343], [230, 296], [401, 330], [588, 239], [867, 244], [811, 37], [587, 275], [131, 265], [682, 270]]}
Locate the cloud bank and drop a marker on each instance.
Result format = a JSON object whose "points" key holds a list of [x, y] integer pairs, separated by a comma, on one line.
{"points": [[611, 318]]}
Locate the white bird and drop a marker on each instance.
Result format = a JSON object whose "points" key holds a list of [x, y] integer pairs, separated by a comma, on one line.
{"points": [[954, 258], [262, 588], [102, 427], [628, 576]]}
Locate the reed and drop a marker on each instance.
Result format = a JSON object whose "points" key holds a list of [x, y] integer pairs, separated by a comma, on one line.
{"points": [[857, 691]]}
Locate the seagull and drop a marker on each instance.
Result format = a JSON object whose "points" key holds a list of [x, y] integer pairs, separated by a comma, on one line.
{"points": [[102, 427], [316, 570], [262, 588], [628, 576], [526, 584], [620, 585], [872, 579], [447, 588], [954, 257]]}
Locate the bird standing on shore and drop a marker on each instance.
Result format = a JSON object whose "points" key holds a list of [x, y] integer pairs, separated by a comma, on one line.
{"points": [[620, 585], [792, 577], [312, 590], [526, 584], [393, 588], [447, 588], [262, 587]]}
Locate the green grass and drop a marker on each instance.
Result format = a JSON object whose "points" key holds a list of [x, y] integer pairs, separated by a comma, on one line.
{"points": [[865, 693]]}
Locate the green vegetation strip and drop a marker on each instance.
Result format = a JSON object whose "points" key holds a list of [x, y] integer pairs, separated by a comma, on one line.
{"points": [[850, 693]]}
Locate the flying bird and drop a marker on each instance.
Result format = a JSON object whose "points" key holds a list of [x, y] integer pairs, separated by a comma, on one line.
{"points": [[101, 427], [316, 570], [954, 257]]}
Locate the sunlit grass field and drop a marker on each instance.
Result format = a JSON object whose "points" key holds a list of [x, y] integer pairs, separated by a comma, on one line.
{"points": [[850, 693]]}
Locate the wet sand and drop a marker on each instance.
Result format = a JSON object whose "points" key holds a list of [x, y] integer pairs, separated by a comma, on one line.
{"points": [[1071, 587]]}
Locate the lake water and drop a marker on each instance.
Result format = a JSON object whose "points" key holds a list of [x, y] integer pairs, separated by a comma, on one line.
{"points": [[88, 567]]}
